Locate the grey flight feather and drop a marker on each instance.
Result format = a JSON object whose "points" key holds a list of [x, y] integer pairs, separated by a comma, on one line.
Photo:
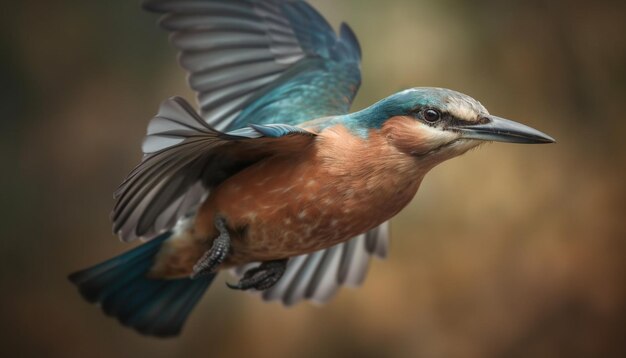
{"points": [[184, 158]]}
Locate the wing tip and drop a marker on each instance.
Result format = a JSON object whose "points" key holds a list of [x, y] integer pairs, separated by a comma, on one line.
{"points": [[347, 34]]}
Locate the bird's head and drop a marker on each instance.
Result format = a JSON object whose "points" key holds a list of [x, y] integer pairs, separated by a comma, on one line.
{"points": [[437, 124]]}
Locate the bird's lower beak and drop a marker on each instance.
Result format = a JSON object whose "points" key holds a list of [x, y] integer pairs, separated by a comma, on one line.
{"points": [[503, 130]]}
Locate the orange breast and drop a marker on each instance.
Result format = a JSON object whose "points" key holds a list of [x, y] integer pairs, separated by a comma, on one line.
{"points": [[340, 187], [285, 206]]}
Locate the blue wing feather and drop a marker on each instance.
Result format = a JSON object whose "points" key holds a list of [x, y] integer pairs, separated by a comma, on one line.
{"points": [[268, 131], [317, 89], [262, 61]]}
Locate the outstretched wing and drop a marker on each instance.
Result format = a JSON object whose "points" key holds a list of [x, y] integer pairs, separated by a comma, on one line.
{"points": [[262, 61], [184, 159]]}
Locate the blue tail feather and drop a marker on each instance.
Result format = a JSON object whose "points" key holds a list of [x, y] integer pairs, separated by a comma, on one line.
{"points": [[151, 306]]}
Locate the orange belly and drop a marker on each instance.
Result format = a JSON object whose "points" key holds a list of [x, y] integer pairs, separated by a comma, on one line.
{"points": [[287, 206], [293, 205], [278, 210]]}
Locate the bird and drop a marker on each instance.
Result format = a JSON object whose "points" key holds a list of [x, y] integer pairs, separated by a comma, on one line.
{"points": [[274, 178]]}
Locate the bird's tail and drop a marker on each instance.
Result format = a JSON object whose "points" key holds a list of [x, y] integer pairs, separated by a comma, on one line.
{"points": [[154, 307]]}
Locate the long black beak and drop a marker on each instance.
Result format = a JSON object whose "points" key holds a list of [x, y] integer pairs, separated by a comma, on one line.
{"points": [[503, 130]]}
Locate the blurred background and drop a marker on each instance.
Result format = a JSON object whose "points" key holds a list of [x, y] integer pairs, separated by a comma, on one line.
{"points": [[510, 251]]}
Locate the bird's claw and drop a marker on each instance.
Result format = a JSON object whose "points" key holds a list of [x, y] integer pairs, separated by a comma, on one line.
{"points": [[215, 256], [263, 277]]}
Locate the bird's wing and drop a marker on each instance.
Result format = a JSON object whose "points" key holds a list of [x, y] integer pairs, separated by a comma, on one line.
{"points": [[318, 276], [184, 158], [262, 61]]}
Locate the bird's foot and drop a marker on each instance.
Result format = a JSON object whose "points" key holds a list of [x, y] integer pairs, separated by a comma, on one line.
{"points": [[263, 277], [214, 257]]}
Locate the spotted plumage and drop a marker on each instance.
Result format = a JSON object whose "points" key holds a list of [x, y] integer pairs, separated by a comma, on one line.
{"points": [[273, 178]]}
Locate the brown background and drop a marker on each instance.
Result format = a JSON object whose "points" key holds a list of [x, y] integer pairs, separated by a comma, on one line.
{"points": [[509, 251]]}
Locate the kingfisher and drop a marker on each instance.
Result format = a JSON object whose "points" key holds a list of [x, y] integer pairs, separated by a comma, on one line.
{"points": [[273, 178]]}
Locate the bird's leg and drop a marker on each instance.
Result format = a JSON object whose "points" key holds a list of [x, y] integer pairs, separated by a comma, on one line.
{"points": [[214, 257], [263, 277]]}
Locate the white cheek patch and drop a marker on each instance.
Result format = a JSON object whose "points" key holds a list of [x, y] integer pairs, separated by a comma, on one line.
{"points": [[435, 136]]}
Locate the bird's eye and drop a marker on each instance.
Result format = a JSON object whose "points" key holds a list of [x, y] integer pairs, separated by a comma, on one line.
{"points": [[431, 115]]}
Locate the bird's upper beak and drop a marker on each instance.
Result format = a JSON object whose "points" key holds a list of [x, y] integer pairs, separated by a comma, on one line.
{"points": [[499, 129]]}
